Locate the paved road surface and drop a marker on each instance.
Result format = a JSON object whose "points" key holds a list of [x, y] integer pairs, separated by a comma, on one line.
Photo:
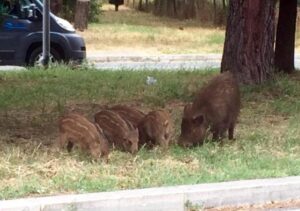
{"points": [[104, 61], [161, 62]]}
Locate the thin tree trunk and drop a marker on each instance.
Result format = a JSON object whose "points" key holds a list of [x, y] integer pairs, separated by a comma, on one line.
{"points": [[285, 36], [81, 15], [56, 6], [215, 12], [140, 7], [248, 49], [224, 4], [147, 5]]}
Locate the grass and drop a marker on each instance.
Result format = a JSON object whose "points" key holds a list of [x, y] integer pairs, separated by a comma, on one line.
{"points": [[129, 30], [267, 135]]}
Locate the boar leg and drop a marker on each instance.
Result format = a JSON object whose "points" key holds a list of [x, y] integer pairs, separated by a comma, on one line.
{"points": [[83, 143], [70, 146], [218, 132], [231, 131], [63, 138], [94, 153]]}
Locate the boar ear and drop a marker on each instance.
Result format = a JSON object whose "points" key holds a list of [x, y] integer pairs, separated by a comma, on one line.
{"points": [[198, 120], [166, 123], [187, 108], [135, 131]]}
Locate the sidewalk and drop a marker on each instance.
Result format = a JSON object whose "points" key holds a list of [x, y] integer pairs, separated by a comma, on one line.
{"points": [[175, 198]]}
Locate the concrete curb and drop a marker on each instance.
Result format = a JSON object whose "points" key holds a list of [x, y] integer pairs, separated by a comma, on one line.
{"points": [[175, 198]]}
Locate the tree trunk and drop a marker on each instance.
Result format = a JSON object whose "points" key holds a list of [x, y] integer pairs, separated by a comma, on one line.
{"points": [[140, 7], [248, 49], [224, 4], [285, 37], [81, 14], [56, 6], [147, 5], [215, 11]]}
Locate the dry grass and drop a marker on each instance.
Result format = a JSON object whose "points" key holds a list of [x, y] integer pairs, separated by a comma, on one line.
{"points": [[132, 31], [129, 31]]}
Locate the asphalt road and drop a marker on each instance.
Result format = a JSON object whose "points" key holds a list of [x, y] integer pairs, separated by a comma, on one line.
{"points": [[162, 62]]}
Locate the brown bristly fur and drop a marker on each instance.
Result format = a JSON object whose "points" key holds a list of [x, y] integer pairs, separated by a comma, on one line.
{"points": [[119, 132], [76, 129], [129, 113], [216, 107], [155, 129]]}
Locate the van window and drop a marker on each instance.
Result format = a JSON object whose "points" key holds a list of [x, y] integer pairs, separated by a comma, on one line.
{"points": [[4, 7], [13, 8]]}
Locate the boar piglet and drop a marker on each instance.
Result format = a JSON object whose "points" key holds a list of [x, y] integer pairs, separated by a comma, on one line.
{"points": [[216, 107], [130, 114], [119, 132], [155, 129], [76, 129]]}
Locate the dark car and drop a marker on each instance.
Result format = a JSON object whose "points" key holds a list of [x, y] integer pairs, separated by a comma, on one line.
{"points": [[21, 35]]}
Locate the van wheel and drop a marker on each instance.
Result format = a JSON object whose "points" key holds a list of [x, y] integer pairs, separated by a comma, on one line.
{"points": [[35, 58]]}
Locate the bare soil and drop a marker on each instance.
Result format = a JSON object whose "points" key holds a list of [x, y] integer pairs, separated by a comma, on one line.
{"points": [[274, 205]]}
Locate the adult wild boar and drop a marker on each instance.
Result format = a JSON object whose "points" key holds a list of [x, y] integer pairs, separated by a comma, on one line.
{"points": [[155, 129], [215, 108], [76, 129], [119, 132]]}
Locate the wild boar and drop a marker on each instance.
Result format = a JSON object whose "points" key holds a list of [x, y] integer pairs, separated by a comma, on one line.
{"points": [[131, 114], [119, 132], [215, 109], [155, 129], [76, 129]]}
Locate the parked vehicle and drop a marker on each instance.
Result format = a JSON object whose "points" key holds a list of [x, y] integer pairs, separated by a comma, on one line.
{"points": [[21, 35]]}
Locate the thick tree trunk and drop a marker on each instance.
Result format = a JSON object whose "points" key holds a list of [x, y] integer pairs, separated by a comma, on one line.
{"points": [[81, 15], [248, 49], [285, 37]]}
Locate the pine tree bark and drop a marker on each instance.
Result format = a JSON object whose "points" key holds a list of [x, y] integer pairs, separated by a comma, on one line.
{"points": [[285, 36], [249, 40]]}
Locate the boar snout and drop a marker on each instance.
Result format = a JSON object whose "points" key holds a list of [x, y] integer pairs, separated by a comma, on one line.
{"points": [[134, 149], [184, 143]]}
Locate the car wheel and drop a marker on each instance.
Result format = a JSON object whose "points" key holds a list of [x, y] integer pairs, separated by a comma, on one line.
{"points": [[35, 58]]}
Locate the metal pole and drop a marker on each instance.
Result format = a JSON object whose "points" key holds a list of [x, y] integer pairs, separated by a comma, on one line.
{"points": [[46, 33]]}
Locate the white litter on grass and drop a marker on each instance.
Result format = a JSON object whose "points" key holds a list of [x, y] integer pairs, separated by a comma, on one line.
{"points": [[151, 80]]}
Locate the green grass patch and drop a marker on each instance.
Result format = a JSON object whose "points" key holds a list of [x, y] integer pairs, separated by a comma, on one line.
{"points": [[266, 145]]}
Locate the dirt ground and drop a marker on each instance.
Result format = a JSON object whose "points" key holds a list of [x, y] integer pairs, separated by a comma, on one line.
{"points": [[43, 125], [271, 206]]}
